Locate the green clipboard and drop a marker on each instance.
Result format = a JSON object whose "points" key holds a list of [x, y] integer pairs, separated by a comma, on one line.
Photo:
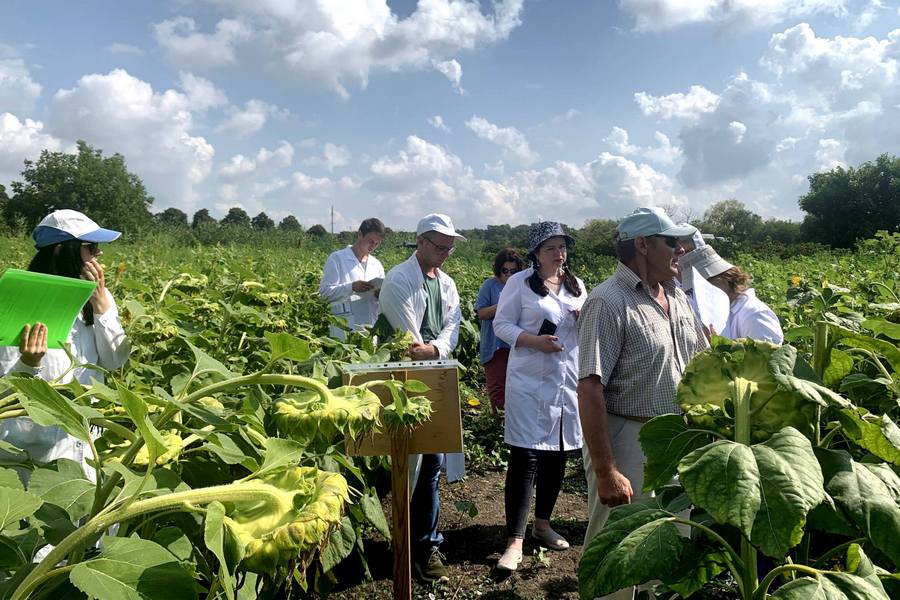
{"points": [[27, 298]]}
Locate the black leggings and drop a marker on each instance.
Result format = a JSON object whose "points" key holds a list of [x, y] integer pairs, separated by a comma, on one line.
{"points": [[549, 467]]}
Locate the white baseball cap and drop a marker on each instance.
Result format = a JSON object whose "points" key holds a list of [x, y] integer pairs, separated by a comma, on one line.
{"points": [[62, 225], [439, 223], [707, 262]]}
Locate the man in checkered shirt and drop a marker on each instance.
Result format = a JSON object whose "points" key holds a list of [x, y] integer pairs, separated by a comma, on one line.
{"points": [[636, 334]]}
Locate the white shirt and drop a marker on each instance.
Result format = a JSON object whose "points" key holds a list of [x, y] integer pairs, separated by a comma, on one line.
{"points": [[751, 317], [540, 387], [403, 300], [103, 344], [341, 269]]}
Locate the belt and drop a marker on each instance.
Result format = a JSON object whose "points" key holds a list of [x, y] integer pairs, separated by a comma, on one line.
{"points": [[632, 418]]}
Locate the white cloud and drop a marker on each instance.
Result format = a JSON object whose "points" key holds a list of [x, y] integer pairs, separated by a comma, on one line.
{"points": [[688, 107], [437, 121], [18, 91], [657, 15], [120, 48], [452, 70], [664, 152], [250, 119], [333, 156], [618, 141], [19, 141], [202, 93], [830, 154], [510, 139], [120, 113], [337, 44], [188, 48], [240, 165]]}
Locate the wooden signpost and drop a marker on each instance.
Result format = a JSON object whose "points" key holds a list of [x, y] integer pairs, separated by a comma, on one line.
{"points": [[443, 433]]}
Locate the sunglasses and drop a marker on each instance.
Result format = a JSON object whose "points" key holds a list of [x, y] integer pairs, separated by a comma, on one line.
{"points": [[506, 271], [671, 242], [92, 247], [440, 248]]}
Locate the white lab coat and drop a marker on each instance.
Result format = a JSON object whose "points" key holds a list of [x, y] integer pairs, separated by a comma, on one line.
{"points": [[103, 344], [751, 317], [341, 269], [403, 300], [540, 388]]}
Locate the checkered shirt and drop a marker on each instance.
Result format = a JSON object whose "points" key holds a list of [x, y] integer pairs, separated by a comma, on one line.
{"points": [[638, 351]]}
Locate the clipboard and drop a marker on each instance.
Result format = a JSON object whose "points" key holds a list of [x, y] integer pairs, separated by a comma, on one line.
{"points": [[27, 298]]}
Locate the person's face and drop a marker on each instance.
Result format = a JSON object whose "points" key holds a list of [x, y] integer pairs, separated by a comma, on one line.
{"points": [[434, 248], [90, 250], [507, 271], [720, 283], [663, 253], [369, 242], [552, 252]]}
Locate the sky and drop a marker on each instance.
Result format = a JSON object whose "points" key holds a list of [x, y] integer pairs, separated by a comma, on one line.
{"points": [[504, 111]]}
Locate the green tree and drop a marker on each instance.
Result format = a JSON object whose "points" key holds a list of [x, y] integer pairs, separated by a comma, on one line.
{"points": [[102, 188], [731, 219], [317, 231], [202, 218], [172, 217], [262, 222], [236, 217], [290, 223], [598, 236], [845, 205], [778, 230]]}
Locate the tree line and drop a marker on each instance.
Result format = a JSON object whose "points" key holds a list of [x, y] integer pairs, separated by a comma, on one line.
{"points": [[843, 205]]}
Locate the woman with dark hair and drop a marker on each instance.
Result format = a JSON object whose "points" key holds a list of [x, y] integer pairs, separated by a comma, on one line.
{"points": [[494, 351], [67, 245], [537, 316], [347, 279]]}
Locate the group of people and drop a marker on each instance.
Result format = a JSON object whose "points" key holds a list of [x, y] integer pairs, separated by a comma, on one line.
{"points": [[569, 369]]}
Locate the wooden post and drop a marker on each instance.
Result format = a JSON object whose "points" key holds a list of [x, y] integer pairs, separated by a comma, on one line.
{"points": [[401, 495]]}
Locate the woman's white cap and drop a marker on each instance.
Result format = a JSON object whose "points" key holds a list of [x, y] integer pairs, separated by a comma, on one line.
{"points": [[707, 262], [62, 225]]}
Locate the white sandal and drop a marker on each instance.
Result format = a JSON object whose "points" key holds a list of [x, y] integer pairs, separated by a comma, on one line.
{"points": [[510, 560], [550, 538]]}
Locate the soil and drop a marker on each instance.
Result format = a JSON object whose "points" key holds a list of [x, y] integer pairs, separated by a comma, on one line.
{"points": [[473, 545]]}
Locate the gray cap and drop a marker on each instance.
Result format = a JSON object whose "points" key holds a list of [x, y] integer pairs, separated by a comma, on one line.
{"points": [[707, 262], [651, 220]]}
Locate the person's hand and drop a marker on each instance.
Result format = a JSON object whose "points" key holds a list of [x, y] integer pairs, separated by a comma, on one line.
{"points": [[547, 344], [423, 351], [362, 286], [33, 344], [92, 270], [613, 488]]}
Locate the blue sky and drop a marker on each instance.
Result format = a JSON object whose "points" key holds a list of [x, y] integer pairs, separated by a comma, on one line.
{"points": [[494, 112]]}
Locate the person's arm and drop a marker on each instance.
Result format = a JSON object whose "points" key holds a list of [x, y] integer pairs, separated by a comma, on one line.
{"points": [[28, 356], [613, 488], [506, 322], [396, 304], [446, 340], [113, 347], [483, 307], [487, 313], [762, 324], [331, 288]]}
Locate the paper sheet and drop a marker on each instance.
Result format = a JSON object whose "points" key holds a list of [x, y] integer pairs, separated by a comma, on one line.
{"points": [[27, 297], [712, 303]]}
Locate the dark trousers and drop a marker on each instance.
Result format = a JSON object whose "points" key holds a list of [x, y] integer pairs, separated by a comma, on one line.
{"points": [[425, 506], [527, 467]]}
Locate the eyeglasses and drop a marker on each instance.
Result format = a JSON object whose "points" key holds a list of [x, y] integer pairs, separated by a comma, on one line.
{"points": [[92, 247], [440, 248], [671, 242], [506, 271]]}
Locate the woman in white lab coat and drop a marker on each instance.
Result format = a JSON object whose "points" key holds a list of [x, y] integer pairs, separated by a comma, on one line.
{"points": [[68, 245], [347, 279], [536, 316]]}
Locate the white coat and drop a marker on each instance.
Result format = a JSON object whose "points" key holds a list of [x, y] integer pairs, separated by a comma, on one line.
{"points": [[403, 300], [540, 387], [103, 343], [341, 269], [751, 317]]}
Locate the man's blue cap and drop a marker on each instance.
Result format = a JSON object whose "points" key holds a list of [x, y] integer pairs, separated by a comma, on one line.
{"points": [[62, 225], [651, 220]]}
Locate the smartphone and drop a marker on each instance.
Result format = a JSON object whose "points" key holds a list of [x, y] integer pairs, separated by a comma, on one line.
{"points": [[548, 327]]}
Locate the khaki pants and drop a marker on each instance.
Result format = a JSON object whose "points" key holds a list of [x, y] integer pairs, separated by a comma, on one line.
{"points": [[630, 461]]}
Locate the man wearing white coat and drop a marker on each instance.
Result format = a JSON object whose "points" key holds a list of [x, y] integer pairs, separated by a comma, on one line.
{"points": [[420, 298], [347, 279]]}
